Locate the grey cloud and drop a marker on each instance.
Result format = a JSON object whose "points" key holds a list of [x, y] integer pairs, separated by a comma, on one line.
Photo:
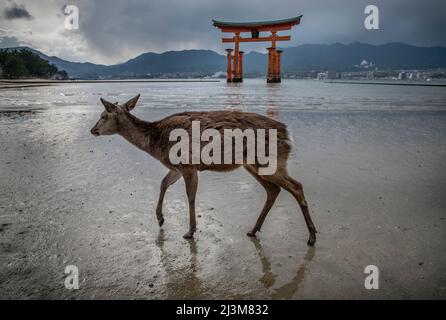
{"points": [[159, 25], [8, 42], [115, 31], [16, 11]]}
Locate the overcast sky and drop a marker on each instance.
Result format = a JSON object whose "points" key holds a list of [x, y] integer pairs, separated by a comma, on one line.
{"points": [[112, 31]]}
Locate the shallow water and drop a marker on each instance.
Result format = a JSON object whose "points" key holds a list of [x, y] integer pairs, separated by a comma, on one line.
{"points": [[371, 159]]}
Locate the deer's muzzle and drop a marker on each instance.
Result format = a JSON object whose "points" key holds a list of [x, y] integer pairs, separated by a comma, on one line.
{"points": [[95, 131]]}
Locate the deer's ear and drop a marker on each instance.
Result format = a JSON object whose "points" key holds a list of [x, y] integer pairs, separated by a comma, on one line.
{"points": [[109, 107], [132, 103]]}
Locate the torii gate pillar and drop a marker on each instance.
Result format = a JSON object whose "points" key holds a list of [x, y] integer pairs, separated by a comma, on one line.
{"points": [[274, 57], [229, 69]]}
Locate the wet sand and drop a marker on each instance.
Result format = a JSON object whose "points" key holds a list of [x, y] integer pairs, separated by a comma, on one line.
{"points": [[375, 182]]}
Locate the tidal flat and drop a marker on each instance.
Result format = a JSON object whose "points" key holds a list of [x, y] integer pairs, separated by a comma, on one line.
{"points": [[371, 160]]}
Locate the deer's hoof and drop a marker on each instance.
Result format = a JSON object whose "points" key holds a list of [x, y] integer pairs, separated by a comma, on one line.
{"points": [[161, 221], [312, 240], [188, 235], [251, 234]]}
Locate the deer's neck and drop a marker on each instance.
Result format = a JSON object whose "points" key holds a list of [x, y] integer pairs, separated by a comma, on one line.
{"points": [[137, 132]]}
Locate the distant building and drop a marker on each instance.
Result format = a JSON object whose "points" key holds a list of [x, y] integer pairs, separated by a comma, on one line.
{"points": [[331, 75], [328, 75], [402, 76], [364, 64], [321, 76]]}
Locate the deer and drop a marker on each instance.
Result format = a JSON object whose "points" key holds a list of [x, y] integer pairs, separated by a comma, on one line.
{"points": [[154, 139]]}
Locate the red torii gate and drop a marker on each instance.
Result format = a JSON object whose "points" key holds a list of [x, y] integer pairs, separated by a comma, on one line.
{"points": [[235, 61]]}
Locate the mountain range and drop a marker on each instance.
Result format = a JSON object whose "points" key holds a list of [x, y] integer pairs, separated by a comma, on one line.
{"points": [[338, 57]]}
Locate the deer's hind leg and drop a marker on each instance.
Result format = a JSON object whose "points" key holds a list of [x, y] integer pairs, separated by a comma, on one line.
{"points": [[272, 191], [170, 178], [282, 178], [296, 188]]}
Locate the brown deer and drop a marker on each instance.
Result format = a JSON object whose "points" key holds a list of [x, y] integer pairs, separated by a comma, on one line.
{"points": [[154, 138]]}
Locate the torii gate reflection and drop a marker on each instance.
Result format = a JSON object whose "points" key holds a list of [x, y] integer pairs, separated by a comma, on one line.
{"points": [[235, 61]]}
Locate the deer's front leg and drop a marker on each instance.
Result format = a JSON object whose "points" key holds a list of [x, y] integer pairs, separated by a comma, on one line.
{"points": [[170, 178], [191, 180]]}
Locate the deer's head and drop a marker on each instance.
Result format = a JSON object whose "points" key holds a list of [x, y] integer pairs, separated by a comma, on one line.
{"points": [[113, 116]]}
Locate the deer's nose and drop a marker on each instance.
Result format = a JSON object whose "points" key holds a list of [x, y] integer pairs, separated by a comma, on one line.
{"points": [[94, 131]]}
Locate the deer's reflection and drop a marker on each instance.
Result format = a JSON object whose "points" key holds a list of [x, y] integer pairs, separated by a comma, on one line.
{"points": [[273, 94], [183, 282], [268, 279]]}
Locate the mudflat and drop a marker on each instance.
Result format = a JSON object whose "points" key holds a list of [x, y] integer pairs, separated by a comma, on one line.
{"points": [[371, 161]]}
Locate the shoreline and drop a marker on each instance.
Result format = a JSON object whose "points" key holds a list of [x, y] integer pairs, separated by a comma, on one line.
{"points": [[27, 83], [104, 81], [388, 83]]}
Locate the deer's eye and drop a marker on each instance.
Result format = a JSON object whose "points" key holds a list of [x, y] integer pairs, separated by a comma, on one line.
{"points": [[103, 117]]}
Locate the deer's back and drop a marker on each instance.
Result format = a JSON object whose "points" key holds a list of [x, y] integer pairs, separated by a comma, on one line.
{"points": [[218, 120]]}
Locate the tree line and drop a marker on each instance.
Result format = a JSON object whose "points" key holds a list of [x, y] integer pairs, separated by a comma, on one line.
{"points": [[25, 63]]}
